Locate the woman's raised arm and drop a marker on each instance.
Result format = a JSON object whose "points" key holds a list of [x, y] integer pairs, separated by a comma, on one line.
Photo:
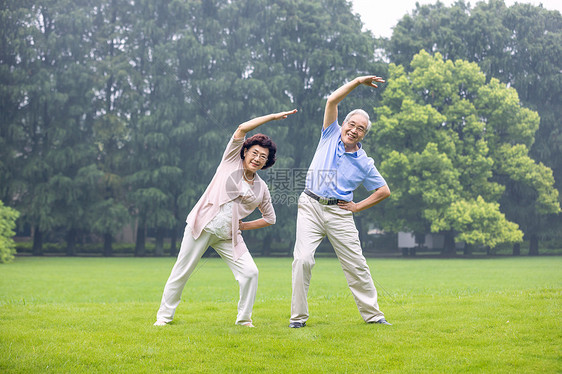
{"points": [[250, 125]]}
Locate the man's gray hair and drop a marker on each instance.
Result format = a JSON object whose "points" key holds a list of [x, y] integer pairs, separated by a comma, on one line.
{"points": [[361, 112]]}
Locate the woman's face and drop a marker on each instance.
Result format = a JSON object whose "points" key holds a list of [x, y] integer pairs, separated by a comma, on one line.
{"points": [[255, 158]]}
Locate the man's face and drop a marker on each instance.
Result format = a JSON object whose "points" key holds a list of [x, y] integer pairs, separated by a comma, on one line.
{"points": [[353, 131]]}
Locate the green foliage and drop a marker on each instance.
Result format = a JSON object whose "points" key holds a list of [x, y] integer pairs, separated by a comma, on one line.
{"points": [[480, 222], [520, 46], [450, 145], [515, 162], [8, 217]]}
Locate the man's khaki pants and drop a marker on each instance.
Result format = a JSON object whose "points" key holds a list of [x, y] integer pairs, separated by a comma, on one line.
{"points": [[314, 222], [244, 269]]}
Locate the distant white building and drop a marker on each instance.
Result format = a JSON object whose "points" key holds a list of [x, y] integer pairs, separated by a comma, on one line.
{"points": [[431, 241]]}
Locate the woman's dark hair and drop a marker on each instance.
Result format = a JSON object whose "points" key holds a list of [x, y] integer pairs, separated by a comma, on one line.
{"points": [[263, 141]]}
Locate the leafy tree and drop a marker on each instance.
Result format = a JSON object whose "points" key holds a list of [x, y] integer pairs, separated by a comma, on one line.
{"points": [[12, 78], [8, 217], [115, 100], [52, 118], [450, 144], [520, 45], [161, 137]]}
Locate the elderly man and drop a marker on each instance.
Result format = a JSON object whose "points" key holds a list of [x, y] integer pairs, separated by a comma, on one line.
{"points": [[326, 206]]}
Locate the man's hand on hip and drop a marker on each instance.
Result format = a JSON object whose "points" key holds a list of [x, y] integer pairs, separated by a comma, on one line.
{"points": [[348, 205]]}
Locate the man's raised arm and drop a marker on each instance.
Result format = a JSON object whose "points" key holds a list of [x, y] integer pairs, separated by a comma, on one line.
{"points": [[331, 110]]}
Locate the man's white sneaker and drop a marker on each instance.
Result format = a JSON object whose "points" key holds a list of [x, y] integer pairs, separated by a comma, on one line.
{"points": [[160, 323]]}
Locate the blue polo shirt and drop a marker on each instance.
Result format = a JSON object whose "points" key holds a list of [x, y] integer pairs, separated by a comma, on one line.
{"points": [[335, 173]]}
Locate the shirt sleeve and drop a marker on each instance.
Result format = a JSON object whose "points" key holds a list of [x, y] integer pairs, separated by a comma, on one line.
{"points": [[331, 130], [373, 179], [266, 207], [232, 151]]}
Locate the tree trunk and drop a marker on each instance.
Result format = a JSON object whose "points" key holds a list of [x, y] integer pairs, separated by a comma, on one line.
{"points": [[107, 244], [140, 245], [517, 249], [159, 247], [173, 242], [449, 249], [362, 233], [266, 245], [71, 242], [37, 242], [534, 245], [291, 248], [419, 238]]}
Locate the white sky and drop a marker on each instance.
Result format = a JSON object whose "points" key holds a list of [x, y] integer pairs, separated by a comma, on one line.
{"points": [[380, 16]]}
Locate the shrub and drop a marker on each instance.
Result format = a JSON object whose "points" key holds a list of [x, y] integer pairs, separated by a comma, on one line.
{"points": [[8, 218]]}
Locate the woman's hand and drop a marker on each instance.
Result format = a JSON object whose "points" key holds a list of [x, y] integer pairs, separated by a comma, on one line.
{"points": [[283, 115], [252, 225], [369, 80]]}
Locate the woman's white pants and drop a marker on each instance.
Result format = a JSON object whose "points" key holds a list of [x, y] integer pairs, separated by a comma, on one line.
{"points": [[244, 269]]}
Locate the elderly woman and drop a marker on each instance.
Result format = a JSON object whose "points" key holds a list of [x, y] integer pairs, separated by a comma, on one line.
{"points": [[235, 191]]}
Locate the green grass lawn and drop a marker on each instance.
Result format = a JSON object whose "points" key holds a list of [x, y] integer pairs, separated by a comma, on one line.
{"points": [[73, 315]]}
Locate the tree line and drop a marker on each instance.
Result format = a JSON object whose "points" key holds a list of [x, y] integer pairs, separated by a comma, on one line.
{"points": [[116, 111]]}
